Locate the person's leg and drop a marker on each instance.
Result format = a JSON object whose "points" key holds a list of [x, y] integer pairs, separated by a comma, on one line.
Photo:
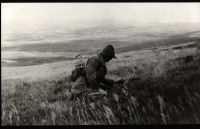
{"points": [[77, 88], [71, 96], [96, 94], [106, 87]]}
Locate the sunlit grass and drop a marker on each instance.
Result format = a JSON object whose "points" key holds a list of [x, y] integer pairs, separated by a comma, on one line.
{"points": [[167, 93]]}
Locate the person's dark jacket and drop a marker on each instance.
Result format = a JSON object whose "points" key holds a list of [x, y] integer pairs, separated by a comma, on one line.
{"points": [[95, 73]]}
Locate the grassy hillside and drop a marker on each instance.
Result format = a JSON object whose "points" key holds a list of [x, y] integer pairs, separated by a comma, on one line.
{"points": [[167, 93]]}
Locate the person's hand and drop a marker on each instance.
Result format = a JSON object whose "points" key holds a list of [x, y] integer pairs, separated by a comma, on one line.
{"points": [[121, 81], [101, 91]]}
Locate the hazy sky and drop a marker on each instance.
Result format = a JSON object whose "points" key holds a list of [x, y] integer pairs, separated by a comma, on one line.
{"points": [[55, 13]]}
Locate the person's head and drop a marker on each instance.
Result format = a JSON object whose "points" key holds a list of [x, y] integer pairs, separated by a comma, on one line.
{"points": [[108, 53]]}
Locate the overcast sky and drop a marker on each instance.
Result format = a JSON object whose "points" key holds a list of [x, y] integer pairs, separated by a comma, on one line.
{"points": [[55, 13]]}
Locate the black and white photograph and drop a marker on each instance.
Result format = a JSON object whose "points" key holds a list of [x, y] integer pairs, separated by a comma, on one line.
{"points": [[100, 63]]}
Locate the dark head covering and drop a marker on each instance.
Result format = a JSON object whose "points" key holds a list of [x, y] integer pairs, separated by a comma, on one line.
{"points": [[109, 51]]}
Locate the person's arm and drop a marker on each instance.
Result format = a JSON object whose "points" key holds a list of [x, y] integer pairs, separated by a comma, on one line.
{"points": [[107, 81], [91, 67], [107, 84]]}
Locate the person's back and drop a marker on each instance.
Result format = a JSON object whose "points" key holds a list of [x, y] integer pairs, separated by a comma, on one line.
{"points": [[95, 73]]}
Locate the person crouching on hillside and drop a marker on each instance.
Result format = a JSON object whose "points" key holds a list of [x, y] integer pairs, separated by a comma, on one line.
{"points": [[94, 79]]}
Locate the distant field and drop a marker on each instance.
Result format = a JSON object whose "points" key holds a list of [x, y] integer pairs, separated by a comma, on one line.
{"points": [[35, 61], [37, 72], [86, 46], [42, 53]]}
